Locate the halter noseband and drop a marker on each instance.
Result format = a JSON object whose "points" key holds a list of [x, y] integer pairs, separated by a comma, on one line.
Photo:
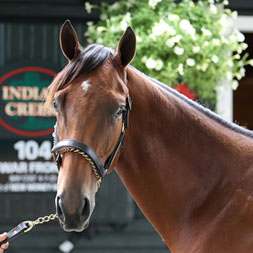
{"points": [[86, 151]]}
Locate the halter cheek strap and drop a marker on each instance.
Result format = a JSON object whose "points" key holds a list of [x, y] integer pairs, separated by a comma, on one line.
{"points": [[68, 145]]}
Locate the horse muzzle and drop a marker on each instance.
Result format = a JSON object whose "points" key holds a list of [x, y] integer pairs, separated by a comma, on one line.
{"points": [[73, 217]]}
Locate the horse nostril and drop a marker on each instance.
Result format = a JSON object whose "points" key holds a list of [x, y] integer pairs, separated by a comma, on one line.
{"points": [[59, 208], [86, 209]]}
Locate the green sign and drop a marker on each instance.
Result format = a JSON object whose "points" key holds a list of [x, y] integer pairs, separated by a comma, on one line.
{"points": [[22, 94]]}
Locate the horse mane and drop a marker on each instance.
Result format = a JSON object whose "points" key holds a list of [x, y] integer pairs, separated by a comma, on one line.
{"points": [[199, 107], [95, 55], [89, 59]]}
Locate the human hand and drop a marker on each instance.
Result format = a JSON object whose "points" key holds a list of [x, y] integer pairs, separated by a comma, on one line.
{"points": [[3, 246]]}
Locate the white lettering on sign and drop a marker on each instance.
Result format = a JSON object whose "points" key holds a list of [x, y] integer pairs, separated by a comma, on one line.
{"points": [[34, 171], [27, 109], [28, 167], [13, 167], [22, 178], [43, 167], [30, 150], [24, 187], [23, 93]]}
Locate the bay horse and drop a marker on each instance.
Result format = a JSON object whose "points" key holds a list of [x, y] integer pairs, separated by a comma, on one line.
{"points": [[189, 171]]}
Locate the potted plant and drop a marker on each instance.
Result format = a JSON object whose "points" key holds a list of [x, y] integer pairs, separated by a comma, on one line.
{"points": [[186, 42]]}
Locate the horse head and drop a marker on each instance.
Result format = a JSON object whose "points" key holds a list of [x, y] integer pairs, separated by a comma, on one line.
{"points": [[90, 97]]}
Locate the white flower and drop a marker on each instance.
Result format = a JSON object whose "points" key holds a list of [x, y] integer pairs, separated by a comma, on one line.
{"points": [[215, 58], [184, 24], [144, 59], [229, 75], [225, 22], [123, 25], [181, 69], [125, 21], [238, 76], [244, 46], [158, 65], [115, 6], [224, 40], [239, 49], [213, 9], [150, 63], [236, 57], [170, 43], [242, 72], [191, 4], [204, 67], [225, 2], [153, 3], [187, 27], [177, 38], [173, 17], [114, 28], [196, 49], [101, 29], [206, 43], [234, 84], [171, 31], [99, 41], [190, 62], [89, 23], [251, 62], [103, 16], [127, 17], [206, 32], [240, 37], [131, 2], [234, 14], [178, 50], [157, 30], [88, 7], [230, 63], [138, 38], [152, 36], [90, 41], [162, 27], [216, 42]]}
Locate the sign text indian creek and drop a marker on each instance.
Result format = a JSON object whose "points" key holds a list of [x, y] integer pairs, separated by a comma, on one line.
{"points": [[25, 159]]}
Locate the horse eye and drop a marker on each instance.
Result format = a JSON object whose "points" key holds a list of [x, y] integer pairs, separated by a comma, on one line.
{"points": [[55, 105], [120, 111]]}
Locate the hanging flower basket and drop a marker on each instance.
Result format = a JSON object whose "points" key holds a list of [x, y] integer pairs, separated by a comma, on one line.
{"points": [[193, 42]]}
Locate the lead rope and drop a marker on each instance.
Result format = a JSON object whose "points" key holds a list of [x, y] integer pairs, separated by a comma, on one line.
{"points": [[27, 226], [39, 221]]}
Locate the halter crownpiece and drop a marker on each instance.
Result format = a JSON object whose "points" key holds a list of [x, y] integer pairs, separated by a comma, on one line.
{"points": [[68, 145]]}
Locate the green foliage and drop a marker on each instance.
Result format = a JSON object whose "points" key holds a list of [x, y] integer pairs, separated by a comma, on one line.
{"points": [[188, 42]]}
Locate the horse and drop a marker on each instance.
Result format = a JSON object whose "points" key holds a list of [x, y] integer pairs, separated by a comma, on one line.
{"points": [[189, 171]]}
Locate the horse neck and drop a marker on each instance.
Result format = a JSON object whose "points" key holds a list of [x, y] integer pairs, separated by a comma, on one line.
{"points": [[175, 159]]}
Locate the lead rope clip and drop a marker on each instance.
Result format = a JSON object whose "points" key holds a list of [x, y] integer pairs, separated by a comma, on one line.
{"points": [[27, 226]]}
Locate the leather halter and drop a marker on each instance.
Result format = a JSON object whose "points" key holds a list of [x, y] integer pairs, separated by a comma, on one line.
{"points": [[86, 151]]}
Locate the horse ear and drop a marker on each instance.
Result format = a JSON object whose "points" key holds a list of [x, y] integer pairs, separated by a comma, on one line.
{"points": [[69, 43], [126, 48]]}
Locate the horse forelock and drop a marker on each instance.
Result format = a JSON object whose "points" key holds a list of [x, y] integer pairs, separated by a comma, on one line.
{"points": [[88, 60]]}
